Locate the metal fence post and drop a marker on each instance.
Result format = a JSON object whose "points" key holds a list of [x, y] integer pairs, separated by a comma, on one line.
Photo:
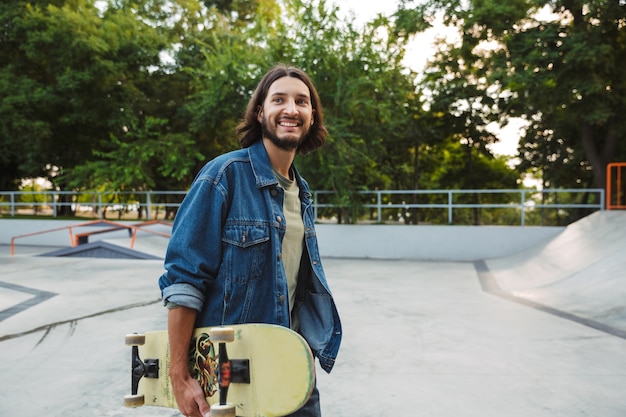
{"points": [[523, 207], [54, 205], [449, 207], [100, 214], [148, 205]]}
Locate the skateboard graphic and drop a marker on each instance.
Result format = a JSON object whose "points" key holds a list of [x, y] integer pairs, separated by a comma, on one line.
{"points": [[245, 370]]}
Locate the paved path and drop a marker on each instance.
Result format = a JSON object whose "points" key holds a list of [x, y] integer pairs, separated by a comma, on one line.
{"points": [[420, 338]]}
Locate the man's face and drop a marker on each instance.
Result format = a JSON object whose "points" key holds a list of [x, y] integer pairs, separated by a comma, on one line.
{"points": [[287, 113]]}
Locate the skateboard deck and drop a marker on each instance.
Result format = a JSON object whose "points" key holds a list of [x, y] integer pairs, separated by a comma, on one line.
{"points": [[269, 369]]}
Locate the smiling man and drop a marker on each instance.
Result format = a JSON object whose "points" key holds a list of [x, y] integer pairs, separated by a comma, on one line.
{"points": [[243, 246]]}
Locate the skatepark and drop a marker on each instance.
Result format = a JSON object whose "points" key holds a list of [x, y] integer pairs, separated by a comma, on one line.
{"points": [[474, 322]]}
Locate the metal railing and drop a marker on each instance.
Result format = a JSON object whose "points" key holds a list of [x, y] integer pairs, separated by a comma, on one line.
{"points": [[526, 200], [99, 203], [377, 205], [79, 238]]}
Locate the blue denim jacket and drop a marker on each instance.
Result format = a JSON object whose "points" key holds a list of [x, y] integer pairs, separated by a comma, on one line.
{"points": [[224, 256]]}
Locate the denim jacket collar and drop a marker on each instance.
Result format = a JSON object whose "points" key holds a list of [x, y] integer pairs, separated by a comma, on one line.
{"points": [[264, 177], [261, 165]]}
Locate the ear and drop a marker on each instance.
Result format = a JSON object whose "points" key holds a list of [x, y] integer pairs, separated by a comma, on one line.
{"points": [[313, 117], [259, 114]]}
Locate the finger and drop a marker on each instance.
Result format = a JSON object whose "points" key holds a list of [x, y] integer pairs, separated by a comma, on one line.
{"points": [[207, 413], [205, 409]]}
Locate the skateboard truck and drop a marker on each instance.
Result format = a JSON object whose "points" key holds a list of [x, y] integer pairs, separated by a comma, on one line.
{"points": [[148, 368], [231, 371], [237, 371]]}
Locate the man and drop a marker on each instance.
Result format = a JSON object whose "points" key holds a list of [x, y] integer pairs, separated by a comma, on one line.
{"points": [[243, 247]]}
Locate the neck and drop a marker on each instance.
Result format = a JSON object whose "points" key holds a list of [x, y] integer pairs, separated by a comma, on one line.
{"points": [[281, 159]]}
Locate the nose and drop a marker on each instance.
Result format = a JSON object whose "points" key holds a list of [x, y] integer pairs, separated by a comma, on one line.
{"points": [[290, 107]]}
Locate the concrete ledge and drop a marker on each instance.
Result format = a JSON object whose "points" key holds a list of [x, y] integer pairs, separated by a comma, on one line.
{"points": [[427, 243]]}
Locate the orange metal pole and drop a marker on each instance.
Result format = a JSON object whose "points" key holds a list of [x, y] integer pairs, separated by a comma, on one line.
{"points": [[619, 187], [614, 185], [132, 240], [608, 186]]}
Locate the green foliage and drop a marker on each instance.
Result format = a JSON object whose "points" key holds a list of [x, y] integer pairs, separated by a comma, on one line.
{"points": [[138, 94], [557, 64], [145, 152], [370, 102], [71, 79]]}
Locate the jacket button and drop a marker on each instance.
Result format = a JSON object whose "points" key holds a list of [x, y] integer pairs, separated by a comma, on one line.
{"points": [[279, 219], [273, 193], [281, 298]]}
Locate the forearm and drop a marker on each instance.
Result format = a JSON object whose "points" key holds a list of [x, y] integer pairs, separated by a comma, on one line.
{"points": [[180, 324], [189, 395]]}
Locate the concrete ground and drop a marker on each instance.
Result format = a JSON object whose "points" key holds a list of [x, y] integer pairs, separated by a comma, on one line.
{"points": [[539, 333]]}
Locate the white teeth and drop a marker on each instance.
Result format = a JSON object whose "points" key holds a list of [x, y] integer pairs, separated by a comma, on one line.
{"points": [[286, 124]]}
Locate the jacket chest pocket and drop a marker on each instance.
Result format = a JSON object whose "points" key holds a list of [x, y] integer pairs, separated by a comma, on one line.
{"points": [[246, 247]]}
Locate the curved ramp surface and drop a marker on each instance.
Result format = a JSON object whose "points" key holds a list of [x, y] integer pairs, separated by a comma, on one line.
{"points": [[581, 272]]}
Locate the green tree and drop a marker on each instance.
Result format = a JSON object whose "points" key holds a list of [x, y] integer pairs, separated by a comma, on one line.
{"points": [[137, 94], [556, 63], [72, 76], [369, 98], [230, 58], [155, 147]]}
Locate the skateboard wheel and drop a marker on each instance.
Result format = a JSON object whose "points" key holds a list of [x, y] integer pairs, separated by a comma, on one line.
{"points": [[135, 339], [226, 410], [133, 401], [222, 334]]}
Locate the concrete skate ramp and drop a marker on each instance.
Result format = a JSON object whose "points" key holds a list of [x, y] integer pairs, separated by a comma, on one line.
{"points": [[581, 272], [454, 349], [100, 249]]}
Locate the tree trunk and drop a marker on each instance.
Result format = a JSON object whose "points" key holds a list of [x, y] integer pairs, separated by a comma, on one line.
{"points": [[599, 158]]}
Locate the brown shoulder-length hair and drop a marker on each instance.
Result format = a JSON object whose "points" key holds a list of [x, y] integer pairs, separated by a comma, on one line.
{"points": [[249, 130]]}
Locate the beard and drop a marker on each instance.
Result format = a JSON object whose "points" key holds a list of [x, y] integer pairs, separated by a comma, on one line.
{"points": [[282, 143]]}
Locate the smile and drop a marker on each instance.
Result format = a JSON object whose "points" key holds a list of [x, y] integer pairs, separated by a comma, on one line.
{"points": [[288, 124]]}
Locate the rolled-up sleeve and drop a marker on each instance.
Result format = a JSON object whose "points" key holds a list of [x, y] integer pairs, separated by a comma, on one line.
{"points": [[193, 255], [183, 295]]}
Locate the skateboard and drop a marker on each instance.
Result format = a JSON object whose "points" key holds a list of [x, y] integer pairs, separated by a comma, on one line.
{"points": [[245, 370]]}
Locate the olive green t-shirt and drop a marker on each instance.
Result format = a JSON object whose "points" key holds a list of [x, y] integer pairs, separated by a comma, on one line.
{"points": [[293, 242]]}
